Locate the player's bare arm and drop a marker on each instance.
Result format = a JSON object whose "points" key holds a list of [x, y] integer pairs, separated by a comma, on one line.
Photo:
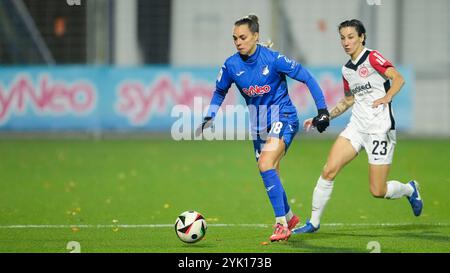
{"points": [[342, 106], [397, 83], [337, 110]]}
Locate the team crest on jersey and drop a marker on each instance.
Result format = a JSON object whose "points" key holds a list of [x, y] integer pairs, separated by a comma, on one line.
{"points": [[265, 71], [363, 72], [256, 90]]}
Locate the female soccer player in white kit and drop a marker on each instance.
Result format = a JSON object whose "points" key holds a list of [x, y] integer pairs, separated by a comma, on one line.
{"points": [[367, 88]]}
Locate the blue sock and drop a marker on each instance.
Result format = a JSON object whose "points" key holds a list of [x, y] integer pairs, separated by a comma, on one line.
{"points": [[286, 203], [275, 191]]}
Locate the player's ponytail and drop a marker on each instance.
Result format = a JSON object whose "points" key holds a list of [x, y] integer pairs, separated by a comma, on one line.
{"points": [[267, 43], [358, 25]]}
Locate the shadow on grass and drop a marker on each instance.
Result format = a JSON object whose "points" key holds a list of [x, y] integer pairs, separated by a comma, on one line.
{"points": [[328, 241], [301, 242], [199, 245]]}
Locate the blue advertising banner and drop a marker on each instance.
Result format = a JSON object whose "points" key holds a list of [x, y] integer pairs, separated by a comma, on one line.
{"points": [[92, 98]]}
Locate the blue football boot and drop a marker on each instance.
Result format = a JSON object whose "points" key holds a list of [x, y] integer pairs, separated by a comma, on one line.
{"points": [[415, 200], [306, 228]]}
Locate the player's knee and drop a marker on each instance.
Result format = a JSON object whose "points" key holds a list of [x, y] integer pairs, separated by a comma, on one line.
{"points": [[378, 192], [329, 172], [265, 164]]}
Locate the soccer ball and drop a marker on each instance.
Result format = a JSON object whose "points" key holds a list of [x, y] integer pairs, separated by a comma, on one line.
{"points": [[190, 226]]}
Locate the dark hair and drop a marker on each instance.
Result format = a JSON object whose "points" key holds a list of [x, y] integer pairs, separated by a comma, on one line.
{"points": [[252, 22], [357, 25]]}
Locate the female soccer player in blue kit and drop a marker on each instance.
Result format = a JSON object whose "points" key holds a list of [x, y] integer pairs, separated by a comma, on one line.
{"points": [[260, 75]]}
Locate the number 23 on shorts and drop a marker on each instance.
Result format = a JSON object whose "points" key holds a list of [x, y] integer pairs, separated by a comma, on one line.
{"points": [[379, 147]]}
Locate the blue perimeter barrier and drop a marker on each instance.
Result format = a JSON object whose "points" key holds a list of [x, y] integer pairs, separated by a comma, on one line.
{"points": [[93, 98]]}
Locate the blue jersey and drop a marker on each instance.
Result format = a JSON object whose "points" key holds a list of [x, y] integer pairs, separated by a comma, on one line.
{"points": [[261, 80]]}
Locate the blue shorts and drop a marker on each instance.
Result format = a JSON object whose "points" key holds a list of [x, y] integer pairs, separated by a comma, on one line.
{"points": [[284, 128]]}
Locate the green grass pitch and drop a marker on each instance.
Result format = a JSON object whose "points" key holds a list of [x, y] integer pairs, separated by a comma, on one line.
{"points": [[124, 196]]}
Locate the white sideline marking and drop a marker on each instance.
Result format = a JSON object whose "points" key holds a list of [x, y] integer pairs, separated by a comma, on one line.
{"points": [[221, 225]]}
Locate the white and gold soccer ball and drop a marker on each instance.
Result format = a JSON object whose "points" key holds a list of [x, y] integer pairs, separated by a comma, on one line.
{"points": [[190, 226]]}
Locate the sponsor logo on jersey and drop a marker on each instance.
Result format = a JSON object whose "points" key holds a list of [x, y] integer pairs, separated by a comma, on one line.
{"points": [[265, 70], [256, 90], [363, 89], [240, 73]]}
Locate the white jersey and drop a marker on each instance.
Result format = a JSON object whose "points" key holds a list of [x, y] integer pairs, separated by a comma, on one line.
{"points": [[364, 79]]}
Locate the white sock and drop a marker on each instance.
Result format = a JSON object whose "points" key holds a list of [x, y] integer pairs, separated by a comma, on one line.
{"points": [[396, 189], [281, 220], [321, 195], [289, 215]]}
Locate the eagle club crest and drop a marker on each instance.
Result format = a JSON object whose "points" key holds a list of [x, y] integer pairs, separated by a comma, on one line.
{"points": [[363, 72]]}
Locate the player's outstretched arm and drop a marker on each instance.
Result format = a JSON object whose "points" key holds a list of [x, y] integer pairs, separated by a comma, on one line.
{"points": [[223, 83], [307, 124], [207, 122], [322, 120], [335, 111], [342, 106]]}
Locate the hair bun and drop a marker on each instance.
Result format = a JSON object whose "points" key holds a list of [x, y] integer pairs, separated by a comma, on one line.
{"points": [[253, 17]]}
